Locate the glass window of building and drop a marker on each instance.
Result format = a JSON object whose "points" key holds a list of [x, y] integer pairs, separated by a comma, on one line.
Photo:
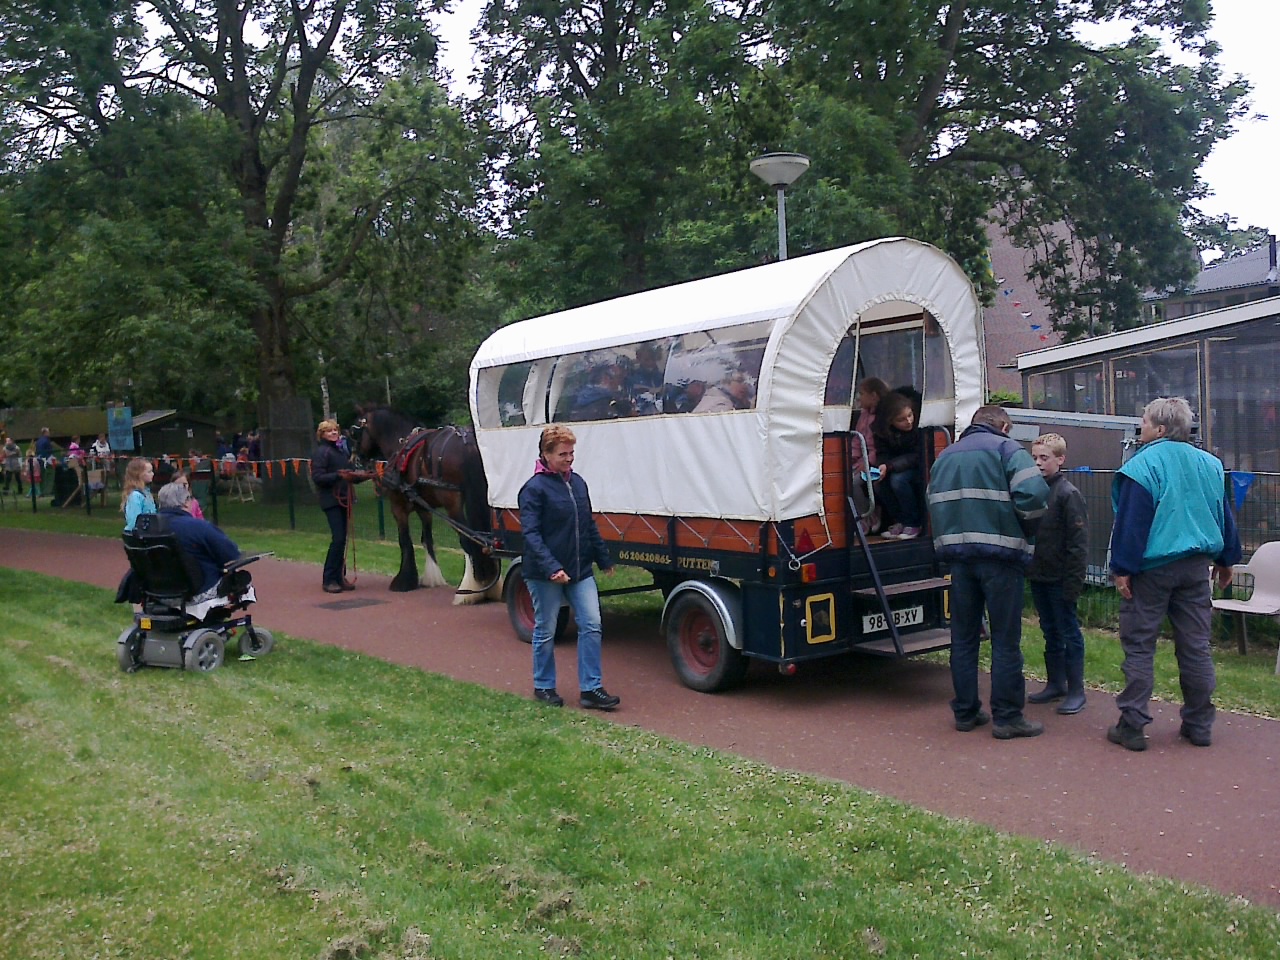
{"points": [[1141, 377], [1075, 390], [1243, 394]]}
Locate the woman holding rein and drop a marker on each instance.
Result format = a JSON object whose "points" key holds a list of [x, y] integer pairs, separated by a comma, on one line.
{"points": [[561, 545], [333, 477]]}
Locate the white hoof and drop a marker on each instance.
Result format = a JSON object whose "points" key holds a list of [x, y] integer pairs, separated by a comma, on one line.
{"points": [[470, 590]]}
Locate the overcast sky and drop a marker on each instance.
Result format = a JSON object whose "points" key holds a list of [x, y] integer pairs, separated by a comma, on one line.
{"points": [[1242, 172]]}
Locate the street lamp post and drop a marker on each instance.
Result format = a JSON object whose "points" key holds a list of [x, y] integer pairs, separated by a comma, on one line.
{"points": [[780, 170]]}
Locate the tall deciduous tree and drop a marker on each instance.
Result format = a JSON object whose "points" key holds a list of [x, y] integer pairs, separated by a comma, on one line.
{"points": [[1089, 152], [628, 141], [275, 72]]}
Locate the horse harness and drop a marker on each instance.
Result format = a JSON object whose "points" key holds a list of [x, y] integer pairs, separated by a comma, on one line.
{"points": [[436, 442], [433, 445]]}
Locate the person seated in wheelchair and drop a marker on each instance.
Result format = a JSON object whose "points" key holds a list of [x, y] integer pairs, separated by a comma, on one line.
{"points": [[201, 540]]}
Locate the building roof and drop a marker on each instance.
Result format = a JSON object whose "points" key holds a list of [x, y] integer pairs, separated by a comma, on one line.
{"points": [[1151, 333], [149, 417], [1257, 268]]}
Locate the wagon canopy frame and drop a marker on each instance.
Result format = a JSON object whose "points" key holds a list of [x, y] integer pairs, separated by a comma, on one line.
{"points": [[762, 463]]}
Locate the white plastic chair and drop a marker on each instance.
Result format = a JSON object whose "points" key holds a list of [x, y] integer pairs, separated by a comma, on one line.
{"points": [[1264, 600]]}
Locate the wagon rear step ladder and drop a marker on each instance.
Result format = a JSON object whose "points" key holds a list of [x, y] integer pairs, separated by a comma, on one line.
{"points": [[895, 645]]}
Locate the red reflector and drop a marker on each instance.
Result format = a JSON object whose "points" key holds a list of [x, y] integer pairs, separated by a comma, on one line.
{"points": [[805, 542], [808, 572]]}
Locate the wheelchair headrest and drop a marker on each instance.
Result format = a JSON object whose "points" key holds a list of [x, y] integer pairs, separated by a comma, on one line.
{"points": [[158, 560]]}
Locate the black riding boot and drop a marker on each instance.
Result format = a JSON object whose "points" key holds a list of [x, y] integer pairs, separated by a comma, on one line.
{"points": [[1074, 701], [1055, 688]]}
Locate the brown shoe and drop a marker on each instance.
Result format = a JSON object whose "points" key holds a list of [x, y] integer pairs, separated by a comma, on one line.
{"points": [[348, 585], [333, 588]]}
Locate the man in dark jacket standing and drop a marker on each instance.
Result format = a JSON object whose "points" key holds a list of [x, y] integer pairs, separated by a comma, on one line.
{"points": [[986, 496]]}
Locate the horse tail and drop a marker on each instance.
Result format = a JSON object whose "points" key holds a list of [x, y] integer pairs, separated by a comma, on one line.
{"points": [[475, 492]]}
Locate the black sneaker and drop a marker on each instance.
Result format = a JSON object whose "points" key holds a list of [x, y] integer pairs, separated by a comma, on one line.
{"points": [[598, 699], [1022, 727], [1195, 736], [1128, 737], [977, 720], [548, 695]]}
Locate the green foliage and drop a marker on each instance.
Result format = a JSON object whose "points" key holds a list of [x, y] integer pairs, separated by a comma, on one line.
{"points": [[272, 206], [317, 803]]}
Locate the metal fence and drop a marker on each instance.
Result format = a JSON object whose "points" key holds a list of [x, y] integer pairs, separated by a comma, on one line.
{"points": [[275, 494], [278, 494]]}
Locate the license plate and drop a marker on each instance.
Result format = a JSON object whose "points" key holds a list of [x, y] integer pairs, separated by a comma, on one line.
{"points": [[906, 617]]}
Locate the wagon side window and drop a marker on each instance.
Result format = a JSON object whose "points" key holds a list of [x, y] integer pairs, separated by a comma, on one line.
{"points": [[716, 371], [592, 386], [511, 411]]}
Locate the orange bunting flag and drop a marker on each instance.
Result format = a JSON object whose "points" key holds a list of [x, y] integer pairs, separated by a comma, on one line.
{"points": [[269, 473]]}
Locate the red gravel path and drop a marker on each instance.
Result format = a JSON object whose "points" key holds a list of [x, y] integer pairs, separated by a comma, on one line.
{"points": [[1206, 816]]}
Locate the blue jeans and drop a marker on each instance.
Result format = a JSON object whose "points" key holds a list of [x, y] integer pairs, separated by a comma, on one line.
{"points": [[903, 496], [997, 588], [1063, 641], [585, 600]]}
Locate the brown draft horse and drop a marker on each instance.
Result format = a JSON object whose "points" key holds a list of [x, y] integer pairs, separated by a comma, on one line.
{"points": [[433, 471]]}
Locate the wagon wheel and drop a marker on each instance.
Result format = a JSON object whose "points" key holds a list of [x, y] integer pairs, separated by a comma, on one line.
{"points": [[129, 648], [256, 642], [515, 593], [698, 641], [206, 651]]}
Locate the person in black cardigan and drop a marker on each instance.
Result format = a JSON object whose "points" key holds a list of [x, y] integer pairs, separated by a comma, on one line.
{"points": [[898, 456], [334, 481]]}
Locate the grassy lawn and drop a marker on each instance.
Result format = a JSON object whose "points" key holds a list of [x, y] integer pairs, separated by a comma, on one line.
{"points": [[316, 803]]}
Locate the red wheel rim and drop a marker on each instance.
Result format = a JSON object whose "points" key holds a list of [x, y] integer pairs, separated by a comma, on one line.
{"points": [[524, 607], [700, 641]]}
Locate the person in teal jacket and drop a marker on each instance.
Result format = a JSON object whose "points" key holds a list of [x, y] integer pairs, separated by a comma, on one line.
{"points": [[1172, 520]]}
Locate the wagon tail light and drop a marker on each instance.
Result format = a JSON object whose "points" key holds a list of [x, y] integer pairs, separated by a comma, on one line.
{"points": [[804, 546]]}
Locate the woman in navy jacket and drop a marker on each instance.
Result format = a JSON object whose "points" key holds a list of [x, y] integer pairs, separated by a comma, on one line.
{"points": [[561, 545], [333, 478]]}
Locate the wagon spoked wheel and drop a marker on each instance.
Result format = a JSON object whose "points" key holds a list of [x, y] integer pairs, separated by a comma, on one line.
{"points": [[256, 642], [206, 651], [129, 649], [698, 641], [515, 592]]}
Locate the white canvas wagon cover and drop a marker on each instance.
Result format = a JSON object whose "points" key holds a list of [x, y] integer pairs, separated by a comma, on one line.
{"points": [[763, 463]]}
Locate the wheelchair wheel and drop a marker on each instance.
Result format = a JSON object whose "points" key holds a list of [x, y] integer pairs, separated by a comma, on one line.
{"points": [[129, 649], [205, 652], [256, 643]]}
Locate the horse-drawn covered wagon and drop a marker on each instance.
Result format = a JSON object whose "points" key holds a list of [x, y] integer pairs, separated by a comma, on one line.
{"points": [[714, 422]]}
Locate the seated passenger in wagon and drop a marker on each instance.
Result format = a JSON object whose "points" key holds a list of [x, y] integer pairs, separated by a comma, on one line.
{"points": [[603, 397], [898, 455], [733, 392]]}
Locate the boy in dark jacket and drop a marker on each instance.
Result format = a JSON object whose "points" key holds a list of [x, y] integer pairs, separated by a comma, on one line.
{"points": [[1057, 578]]}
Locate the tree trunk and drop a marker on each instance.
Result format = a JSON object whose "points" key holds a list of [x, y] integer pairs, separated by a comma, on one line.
{"points": [[284, 417]]}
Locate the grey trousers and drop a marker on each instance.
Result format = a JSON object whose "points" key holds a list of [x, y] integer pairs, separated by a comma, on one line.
{"points": [[1180, 591]]}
